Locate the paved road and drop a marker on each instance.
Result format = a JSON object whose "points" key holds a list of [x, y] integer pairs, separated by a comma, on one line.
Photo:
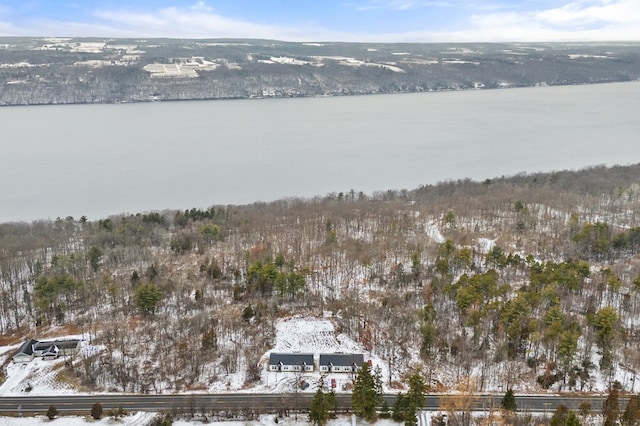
{"points": [[267, 402]]}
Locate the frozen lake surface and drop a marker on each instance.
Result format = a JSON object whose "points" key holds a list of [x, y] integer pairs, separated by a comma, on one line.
{"points": [[97, 160]]}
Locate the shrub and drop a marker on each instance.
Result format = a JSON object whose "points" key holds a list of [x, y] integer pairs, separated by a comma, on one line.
{"points": [[96, 411], [52, 412]]}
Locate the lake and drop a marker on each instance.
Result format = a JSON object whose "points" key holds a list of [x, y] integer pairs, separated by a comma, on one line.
{"points": [[97, 160]]}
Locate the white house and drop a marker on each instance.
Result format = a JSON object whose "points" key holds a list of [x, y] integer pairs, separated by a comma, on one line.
{"points": [[25, 353], [50, 349], [291, 362], [341, 363]]}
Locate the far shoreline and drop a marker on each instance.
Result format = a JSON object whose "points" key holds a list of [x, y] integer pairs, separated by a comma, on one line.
{"points": [[348, 95]]}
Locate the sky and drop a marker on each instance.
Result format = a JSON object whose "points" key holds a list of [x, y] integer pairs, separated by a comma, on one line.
{"points": [[328, 20]]}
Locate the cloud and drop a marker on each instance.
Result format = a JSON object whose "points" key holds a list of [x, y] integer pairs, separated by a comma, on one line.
{"points": [[198, 21], [399, 5], [574, 21], [588, 12], [482, 21], [201, 5]]}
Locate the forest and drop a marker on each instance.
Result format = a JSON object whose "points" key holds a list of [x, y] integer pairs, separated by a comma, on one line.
{"points": [[528, 282]]}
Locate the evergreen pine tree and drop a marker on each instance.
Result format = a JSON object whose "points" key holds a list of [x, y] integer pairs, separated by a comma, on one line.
{"points": [[384, 410], [631, 415], [366, 396], [572, 419], [331, 402], [415, 398], [323, 405], [377, 382], [611, 408], [318, 413], [400, 408], [509, 401]]}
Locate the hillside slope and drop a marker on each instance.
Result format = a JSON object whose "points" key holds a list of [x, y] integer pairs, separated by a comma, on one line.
{"points": [[64, 71], [530, 282]]}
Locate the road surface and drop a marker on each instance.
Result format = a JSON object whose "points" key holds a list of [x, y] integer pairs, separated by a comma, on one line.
{"points": [[268, 403]]}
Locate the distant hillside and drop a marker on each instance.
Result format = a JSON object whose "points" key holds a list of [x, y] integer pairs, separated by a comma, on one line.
{"points": [[64, 71]]}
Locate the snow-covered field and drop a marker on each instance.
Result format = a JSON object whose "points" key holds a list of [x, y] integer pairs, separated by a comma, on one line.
{"points": [[136, 419]]}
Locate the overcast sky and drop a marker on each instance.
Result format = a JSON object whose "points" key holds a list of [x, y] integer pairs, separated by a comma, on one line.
{"points": [[329, 20]]}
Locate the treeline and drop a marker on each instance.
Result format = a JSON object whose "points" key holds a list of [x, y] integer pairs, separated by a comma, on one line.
{"points": [[524, 282]]}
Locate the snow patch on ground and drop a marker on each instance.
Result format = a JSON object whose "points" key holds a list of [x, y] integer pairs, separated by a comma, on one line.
{"points": [[135, 419], [314, 336], [268, 420], [352, 62], [39, 375], [433, 231], [289, 61], [311, 335], [486, 244]]}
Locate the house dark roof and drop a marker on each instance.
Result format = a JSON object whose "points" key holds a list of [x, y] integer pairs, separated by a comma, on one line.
{"points": [[51, 346], [27, 347], [290, 359], [343, 360], [66, 344], [44, 346]]}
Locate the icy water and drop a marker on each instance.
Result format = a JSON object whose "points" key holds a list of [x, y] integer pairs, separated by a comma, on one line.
{"points": [[97, 160]]}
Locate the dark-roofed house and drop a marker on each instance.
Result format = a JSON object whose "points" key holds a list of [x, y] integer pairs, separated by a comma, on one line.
{"points": [[68, 347], [45, 350], [290, 362], [51, 349], [25, 353], [341, 363]]}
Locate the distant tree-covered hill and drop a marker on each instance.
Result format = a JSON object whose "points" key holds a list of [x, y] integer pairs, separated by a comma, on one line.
{"points": [[62, 70]]}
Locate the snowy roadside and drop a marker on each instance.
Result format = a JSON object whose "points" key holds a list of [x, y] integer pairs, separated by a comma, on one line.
{"points": [[137, 419], [143, 419]]}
